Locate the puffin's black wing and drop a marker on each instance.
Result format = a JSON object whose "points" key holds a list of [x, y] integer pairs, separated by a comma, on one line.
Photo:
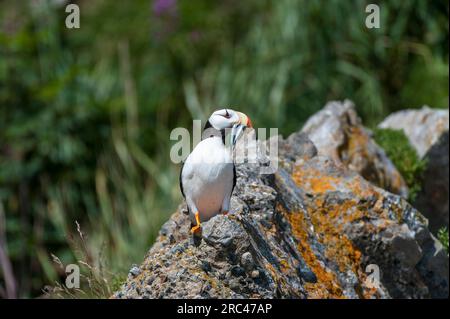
{"points": [[234, 178], [181, 180]]}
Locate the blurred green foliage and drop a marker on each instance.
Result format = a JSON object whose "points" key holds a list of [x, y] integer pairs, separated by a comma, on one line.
{"points": [[85, 114], [404, 157], [443, 237]]}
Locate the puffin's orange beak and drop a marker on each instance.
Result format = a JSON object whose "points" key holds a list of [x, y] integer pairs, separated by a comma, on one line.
{"points": [[239, 127], [244, 120]]}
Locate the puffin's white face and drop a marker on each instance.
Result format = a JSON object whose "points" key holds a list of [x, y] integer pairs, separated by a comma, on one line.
{"points": [[230, 119]]}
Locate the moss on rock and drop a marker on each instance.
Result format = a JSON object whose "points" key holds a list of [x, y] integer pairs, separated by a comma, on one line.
{"points": [[404, 156]]}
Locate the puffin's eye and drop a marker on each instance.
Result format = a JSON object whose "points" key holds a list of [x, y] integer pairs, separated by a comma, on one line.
{"points": [[227, 115]]}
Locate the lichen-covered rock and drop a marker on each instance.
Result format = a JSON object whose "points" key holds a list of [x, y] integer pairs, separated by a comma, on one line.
{"points": [[360, 224], [427, 131], [337, 133], [312, 229]]}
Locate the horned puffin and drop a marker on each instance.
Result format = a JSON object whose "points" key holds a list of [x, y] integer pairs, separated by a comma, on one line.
{"points": [[208, 175]]}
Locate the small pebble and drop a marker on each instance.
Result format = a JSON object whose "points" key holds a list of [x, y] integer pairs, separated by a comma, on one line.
{"points": [[150, 280], [247, 261], [206, 266], [234, 285], [135, 271], [148, 289], [237, 271]]}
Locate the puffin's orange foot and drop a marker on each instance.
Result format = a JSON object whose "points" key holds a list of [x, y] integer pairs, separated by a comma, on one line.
{"points": [[196, 229]]}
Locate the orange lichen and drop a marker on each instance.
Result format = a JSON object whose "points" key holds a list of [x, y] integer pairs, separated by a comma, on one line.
{"points": [[315, 181], [329, 220], [338, 247], [318, 184], [327, 285]]}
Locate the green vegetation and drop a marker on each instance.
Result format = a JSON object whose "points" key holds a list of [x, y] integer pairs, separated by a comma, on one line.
{"points": [[95, 281], [404, 157], [443, 237], [85, 114]]}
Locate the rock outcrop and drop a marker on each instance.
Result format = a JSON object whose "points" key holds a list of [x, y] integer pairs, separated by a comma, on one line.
{"points": [[313, 229], [338, 133], [427, 131]]}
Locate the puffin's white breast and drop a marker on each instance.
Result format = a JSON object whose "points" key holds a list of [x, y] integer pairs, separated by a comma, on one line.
{"points": [[208, 176]]}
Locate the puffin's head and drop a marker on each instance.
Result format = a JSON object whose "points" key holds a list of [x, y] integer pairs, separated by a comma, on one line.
{"points": [[229, 119]]}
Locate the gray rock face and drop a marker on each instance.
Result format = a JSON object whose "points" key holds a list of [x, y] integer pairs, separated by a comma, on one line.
{"points": [[433, 198], [427, 131], [337, 133], [312, 229], [423, 127]]}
